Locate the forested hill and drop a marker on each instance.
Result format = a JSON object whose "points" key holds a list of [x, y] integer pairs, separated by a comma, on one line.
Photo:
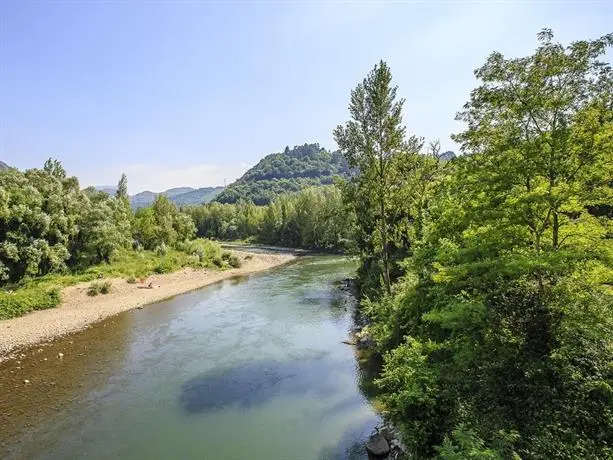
{"points": [[285, 172]]}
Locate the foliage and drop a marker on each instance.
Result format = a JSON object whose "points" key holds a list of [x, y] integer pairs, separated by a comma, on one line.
{"points": [[43, 292], [122, 188], [48, 225], [227, 221], [96, 288], [372, 141], [53, 234], [497, 337], [290, 171], [19, 302], [389, 191], [312, 218], [234, 261], [162, 224]]}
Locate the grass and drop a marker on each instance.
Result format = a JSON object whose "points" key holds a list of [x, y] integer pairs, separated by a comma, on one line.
{"points": [[22, 301], [44, 292]]}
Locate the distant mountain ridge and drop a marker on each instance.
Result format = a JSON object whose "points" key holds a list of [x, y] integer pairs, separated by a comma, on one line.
{"points": [[286, 172], [447, 156], [3, 165], [181, 196]]}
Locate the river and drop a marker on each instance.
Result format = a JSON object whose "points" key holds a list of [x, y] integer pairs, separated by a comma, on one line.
{"points": [[250, 368]]}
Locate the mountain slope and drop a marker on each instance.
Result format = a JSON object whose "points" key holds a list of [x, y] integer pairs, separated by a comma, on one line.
{"points": [[181, 196], [143, 199], [3, 165], [178, 191], [108, 189], [198, 196], [285, 172], [447, 156]]}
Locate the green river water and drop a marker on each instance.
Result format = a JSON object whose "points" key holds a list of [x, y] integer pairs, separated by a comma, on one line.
{"points": [[251, 368]]}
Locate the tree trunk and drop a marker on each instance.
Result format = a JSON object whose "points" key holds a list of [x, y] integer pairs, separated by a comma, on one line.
{"points": [[386, 258], [556, 230]]}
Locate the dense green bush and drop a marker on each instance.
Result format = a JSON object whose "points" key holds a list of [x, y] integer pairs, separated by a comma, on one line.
{"points": [[205, 250]]}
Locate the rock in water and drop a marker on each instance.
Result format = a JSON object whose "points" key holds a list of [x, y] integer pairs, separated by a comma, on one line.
{"points": [[378, 446]]}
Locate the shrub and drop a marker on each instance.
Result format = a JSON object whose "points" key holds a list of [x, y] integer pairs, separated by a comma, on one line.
{"points": [[99, 288], [131, 280], [161, 250], [93, 289], [226, 255], [200, 255], [206, 250], [105, 287], [218, 262], [235, 261], [165, 266]]}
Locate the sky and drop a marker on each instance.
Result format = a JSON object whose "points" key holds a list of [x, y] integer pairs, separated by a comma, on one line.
{"points": [[193, 93]]}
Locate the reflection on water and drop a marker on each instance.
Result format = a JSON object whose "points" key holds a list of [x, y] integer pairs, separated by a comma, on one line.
{"points": [[251, 368]]}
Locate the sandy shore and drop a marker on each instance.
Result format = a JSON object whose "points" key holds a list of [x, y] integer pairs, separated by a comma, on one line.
{"points": [[78, 310]]}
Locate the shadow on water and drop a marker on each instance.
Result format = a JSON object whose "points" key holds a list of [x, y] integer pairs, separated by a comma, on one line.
{"points": [[332, 302], [256, 384]]}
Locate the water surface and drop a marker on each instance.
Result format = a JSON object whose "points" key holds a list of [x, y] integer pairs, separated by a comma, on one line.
{"points": [[251, 368]]}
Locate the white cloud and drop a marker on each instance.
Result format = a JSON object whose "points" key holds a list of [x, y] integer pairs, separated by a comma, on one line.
{"points": [[160, 177]]}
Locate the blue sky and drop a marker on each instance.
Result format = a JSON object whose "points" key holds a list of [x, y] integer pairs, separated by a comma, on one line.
{"points": [[191, 93]]}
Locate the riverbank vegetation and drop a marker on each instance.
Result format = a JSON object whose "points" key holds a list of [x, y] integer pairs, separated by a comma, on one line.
{"points": [[314, 218], [53, 234], [487, 279]]}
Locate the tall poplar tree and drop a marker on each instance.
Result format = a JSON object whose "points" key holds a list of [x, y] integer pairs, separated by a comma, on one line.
{"points": [[370, 141]]}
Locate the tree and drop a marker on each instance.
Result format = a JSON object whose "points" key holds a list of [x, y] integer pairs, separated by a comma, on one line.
{"points": [[497, 342], [122, 188], [547, 119], [54, 168], [162, 223], [47, 224], [370, 141]]}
